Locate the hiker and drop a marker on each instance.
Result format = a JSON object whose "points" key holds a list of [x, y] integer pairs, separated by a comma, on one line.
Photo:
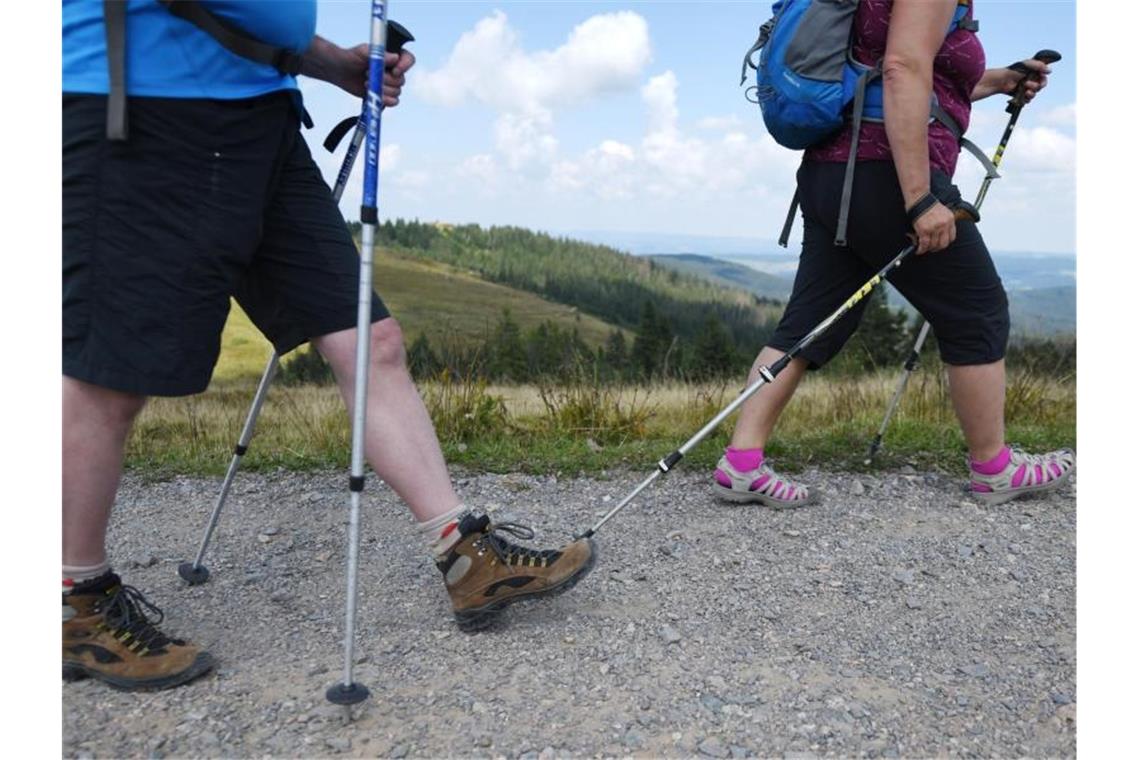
{"points": [[901, 187], [208, 191]]}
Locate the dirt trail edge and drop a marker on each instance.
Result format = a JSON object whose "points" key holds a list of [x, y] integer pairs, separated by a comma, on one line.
{"points": [[895, 619]]}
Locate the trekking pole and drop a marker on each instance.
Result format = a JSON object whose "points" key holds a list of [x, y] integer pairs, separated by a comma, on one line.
{"points": [[767, 375], [195, 573], [348, 692], [1013, 108]]}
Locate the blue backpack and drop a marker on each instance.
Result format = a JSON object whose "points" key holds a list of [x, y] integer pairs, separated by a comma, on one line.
{"points": [[808, 84]]}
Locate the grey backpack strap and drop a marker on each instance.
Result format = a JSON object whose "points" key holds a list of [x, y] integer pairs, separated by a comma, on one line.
{"points": [[235, 39], [115, 22], [945, 119], [849, 174], [790, 220]]}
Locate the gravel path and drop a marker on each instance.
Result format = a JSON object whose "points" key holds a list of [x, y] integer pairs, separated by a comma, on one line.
{"points": [[895, 619]]}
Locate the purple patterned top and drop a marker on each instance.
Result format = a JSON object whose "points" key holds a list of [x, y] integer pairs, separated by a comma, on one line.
{"points": [[958, 67]]}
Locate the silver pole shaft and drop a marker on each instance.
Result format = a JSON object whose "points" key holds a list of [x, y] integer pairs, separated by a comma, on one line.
{"points": [[239, 451], [359, 414], [903, 379]]}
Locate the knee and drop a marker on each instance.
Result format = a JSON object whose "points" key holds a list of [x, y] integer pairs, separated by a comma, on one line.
{"points": [[112, 408], [388, 345]]}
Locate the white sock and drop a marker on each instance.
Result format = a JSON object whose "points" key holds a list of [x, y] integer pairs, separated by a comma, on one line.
{"points": [[73, 575], [442, 532]]}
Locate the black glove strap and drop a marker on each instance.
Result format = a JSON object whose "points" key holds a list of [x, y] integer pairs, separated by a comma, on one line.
{"points": [[920, 207]]}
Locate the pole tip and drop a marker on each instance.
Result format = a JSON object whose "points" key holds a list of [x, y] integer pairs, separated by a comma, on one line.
{"points": [[352, 694], [194, 575]]}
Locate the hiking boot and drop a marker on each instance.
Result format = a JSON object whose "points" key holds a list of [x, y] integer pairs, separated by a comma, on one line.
{"points": [[109, 635], [1024, 474], [484, 572], [762, 485]]}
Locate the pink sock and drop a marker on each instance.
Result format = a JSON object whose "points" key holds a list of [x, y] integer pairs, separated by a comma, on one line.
{"points": [[743, 460], [993, 466]]}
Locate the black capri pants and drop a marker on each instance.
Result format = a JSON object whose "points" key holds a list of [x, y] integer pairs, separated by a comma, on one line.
{"points": [[956, 289]]}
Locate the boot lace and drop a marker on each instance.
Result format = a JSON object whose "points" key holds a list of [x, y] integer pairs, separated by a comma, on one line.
{"points": [[510, 553], [125, 616]]}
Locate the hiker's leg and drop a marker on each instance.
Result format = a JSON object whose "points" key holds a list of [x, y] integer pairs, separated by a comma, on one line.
{"points": [[978, 394], [400, 442], [96, 422], [759, 414]]}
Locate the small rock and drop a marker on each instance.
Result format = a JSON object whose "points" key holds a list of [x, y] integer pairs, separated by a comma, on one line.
{"points": [[632, 739], [483, 741], [460, 447], [670, 635], [712, 747], [1061, 698], [1018, 574], [271, 531], [593, 445], [905, 577], [711, 703], [264, 538], [908, 470], [399, 752], [976, 670], [857, 488], [317, 670], [338, 743], [792, 533], [913, 604], [279, 596], [849, 673], [144, 560], [965, 551]]}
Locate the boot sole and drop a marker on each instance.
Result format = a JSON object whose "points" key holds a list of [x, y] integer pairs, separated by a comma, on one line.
{"points": [[993, 498], [475, 620], [203, 663], [751, 497]]}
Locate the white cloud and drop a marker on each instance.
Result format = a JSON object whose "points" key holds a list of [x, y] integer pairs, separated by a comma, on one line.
{"points": [[606, 53], [1061, 116], [720, 123], [1043, 150], [670, 164], [389, 156]]}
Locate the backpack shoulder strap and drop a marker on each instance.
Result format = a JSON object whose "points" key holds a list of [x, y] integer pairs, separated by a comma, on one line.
{"points": [[115, 22], [233, 39]]}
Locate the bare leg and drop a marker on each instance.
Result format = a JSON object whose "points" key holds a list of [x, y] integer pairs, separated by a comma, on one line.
{"points": [[759, 414], [978, 394], [96, 422], [399, 440]]}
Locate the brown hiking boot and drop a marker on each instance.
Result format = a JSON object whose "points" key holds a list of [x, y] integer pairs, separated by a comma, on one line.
{"points": [[485, 573], [107, 635]]}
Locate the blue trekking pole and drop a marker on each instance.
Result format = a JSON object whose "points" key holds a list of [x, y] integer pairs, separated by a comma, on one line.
{"points": [[347, 692], [195, 573]]}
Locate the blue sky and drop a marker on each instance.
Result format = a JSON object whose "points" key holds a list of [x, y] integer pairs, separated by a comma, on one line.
{"points": [[627, 116]]}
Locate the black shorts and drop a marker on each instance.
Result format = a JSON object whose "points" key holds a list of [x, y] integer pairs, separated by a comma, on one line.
{"points": [[957, 289], [208, 199]]}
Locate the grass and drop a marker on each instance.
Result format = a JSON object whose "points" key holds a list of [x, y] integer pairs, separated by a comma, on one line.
{"points": [[584, 427]]}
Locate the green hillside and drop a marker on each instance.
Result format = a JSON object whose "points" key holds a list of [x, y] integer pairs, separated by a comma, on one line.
{"points": [[429, 298], [728, 274], [599, 280]]}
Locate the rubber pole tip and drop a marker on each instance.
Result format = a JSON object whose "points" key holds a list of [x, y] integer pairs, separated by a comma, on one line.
{"points": [[195, 576], [353, 694]]}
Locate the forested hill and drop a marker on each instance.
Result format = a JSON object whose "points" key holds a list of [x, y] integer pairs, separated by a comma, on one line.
{"points": [[619, 288]]}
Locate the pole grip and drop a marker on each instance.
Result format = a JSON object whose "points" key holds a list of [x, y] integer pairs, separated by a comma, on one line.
{"points": [[1017, 102]]}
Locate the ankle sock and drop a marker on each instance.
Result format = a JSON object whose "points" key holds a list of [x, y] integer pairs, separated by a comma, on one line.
{"points": [[992, 466], [744, 460], [74, 575], [442, 532]]}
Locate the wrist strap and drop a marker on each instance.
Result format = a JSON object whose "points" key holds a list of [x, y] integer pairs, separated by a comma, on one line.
{"points": [[920, 207]]}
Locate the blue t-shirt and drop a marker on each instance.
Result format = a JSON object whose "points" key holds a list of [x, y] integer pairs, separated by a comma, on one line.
{"points": [[169, 57]]}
